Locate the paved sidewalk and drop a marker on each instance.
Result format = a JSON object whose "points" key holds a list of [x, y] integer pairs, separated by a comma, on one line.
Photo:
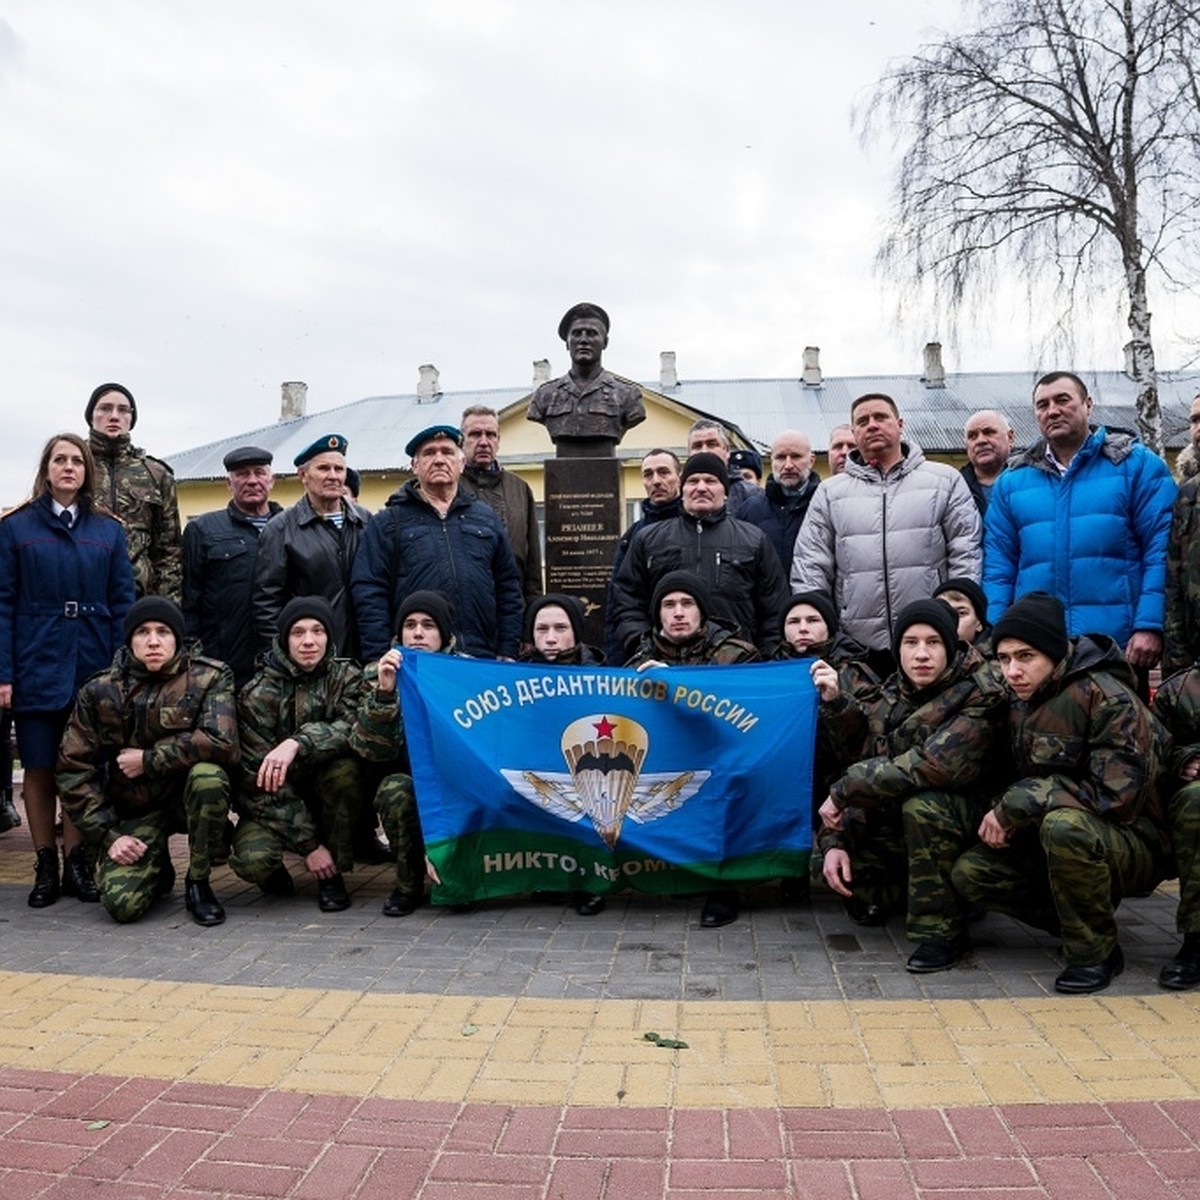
{"points": [[502, 1053]]}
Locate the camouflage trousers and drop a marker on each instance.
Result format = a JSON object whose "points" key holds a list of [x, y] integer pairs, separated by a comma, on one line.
{"points": [[325, 798], [396, 804], [199, 809], [1185, 837], [878, 859], [938, 827], [1067, 876]]}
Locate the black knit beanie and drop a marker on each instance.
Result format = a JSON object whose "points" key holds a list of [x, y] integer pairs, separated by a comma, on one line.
{"points": [[821, 601], [432, 604], [973, 592], [316, 608], [155, 608], [102, 390], [1038, 619], [568, 604], [936, 613], [687, 582], [705, 463]]}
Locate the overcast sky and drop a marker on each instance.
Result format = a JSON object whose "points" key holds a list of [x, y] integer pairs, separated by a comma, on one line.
{"points": [[203, 199]]}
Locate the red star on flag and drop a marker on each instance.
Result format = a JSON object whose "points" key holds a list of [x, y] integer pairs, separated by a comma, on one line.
{"points": [[604, 728]]}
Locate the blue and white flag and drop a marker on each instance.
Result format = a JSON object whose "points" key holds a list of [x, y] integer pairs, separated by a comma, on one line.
{"points": [[675, 779]]}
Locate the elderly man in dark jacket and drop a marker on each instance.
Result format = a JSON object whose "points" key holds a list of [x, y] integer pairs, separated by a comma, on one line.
{"points": [[432, 536], [219, 552], [733, 558], [779, 509], [309, 549]]}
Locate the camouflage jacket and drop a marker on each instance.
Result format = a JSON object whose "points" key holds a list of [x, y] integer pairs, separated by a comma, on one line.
{"points": [[140, 490], [315, 707], [944, 737], [1181, 616], [1084, 740], [180, 716], [378, 730], [714, 645], [1177, 706]]}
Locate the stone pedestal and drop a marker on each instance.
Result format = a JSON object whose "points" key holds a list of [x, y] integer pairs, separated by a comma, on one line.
{"points": [[583, 526]]}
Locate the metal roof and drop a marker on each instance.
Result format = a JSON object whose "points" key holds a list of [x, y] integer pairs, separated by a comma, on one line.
{"points": [[379, 427]]}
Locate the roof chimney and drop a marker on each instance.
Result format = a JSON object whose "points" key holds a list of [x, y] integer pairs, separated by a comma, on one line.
{"points": [[810, 375], [294, 402], [428, 387], [935, 373], [667, 375], [541, 371]]}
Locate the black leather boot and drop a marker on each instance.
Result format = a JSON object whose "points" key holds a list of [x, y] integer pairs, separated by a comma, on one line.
{"points": [[45, 880], [9, 817], [199, 900], [77, 878]]}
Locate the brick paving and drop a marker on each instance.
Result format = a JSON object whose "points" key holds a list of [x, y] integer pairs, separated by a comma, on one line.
{"points": [[500, 1054]]}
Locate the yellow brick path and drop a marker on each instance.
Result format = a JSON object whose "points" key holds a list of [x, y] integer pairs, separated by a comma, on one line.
{"points": [[870, 1054]]}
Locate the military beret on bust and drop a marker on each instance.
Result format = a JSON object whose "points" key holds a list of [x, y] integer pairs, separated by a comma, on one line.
{"points": [[746, 458], [433, 431], [937, 614], [102, 390], [327, 443], [248, 456], [704, 463], [158, 609], [578, 312]]}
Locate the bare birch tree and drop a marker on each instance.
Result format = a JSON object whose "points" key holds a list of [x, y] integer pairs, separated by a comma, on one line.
{"points": [[1059, 136]]}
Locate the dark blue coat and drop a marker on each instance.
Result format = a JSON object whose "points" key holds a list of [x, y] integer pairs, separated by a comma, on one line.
{"points": [[779, 515], [63, 597], [408, 547]]}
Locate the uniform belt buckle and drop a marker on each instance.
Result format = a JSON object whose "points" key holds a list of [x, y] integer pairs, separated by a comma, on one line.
{"points": [[71, 608]]}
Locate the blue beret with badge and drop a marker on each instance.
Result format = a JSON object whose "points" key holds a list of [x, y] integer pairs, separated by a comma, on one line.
{"points": [[327, 443], [434, 431]]}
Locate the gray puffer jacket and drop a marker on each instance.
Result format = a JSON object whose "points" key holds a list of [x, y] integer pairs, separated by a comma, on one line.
{"points": [[880, 540]]}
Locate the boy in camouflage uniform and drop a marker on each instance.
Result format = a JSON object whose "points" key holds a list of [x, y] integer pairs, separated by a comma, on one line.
{"points": [[897, 819], [1083, 826], [423, 622], [1177, 705], [138, 488], [299, 785], [144, 756]]}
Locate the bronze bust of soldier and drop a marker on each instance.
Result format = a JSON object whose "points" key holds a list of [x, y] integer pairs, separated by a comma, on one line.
{"points": [[587, 410]]}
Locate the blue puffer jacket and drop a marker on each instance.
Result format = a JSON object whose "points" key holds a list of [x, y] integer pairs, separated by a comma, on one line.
{"points": [[63, 597], [1095, 537]]}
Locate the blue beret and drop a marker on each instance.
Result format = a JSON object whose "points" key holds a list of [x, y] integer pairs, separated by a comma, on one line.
{"points": [[427, 435], [327, 443]]}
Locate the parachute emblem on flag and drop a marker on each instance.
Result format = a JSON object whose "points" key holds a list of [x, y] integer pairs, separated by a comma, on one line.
{"points": [[605, 783]]}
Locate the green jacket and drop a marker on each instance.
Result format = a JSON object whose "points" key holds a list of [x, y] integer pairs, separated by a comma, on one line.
{"points": [[1084, 740], [714, 644], [943, 737], [140, 489], [180, 716], [1177, 706], [316, 707]]}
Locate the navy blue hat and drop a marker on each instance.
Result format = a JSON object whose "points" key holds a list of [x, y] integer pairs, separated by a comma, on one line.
{"points": [[327, 443], [746, 458], [427, 435], [103, 390], [578, 312], [248, 456]]}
